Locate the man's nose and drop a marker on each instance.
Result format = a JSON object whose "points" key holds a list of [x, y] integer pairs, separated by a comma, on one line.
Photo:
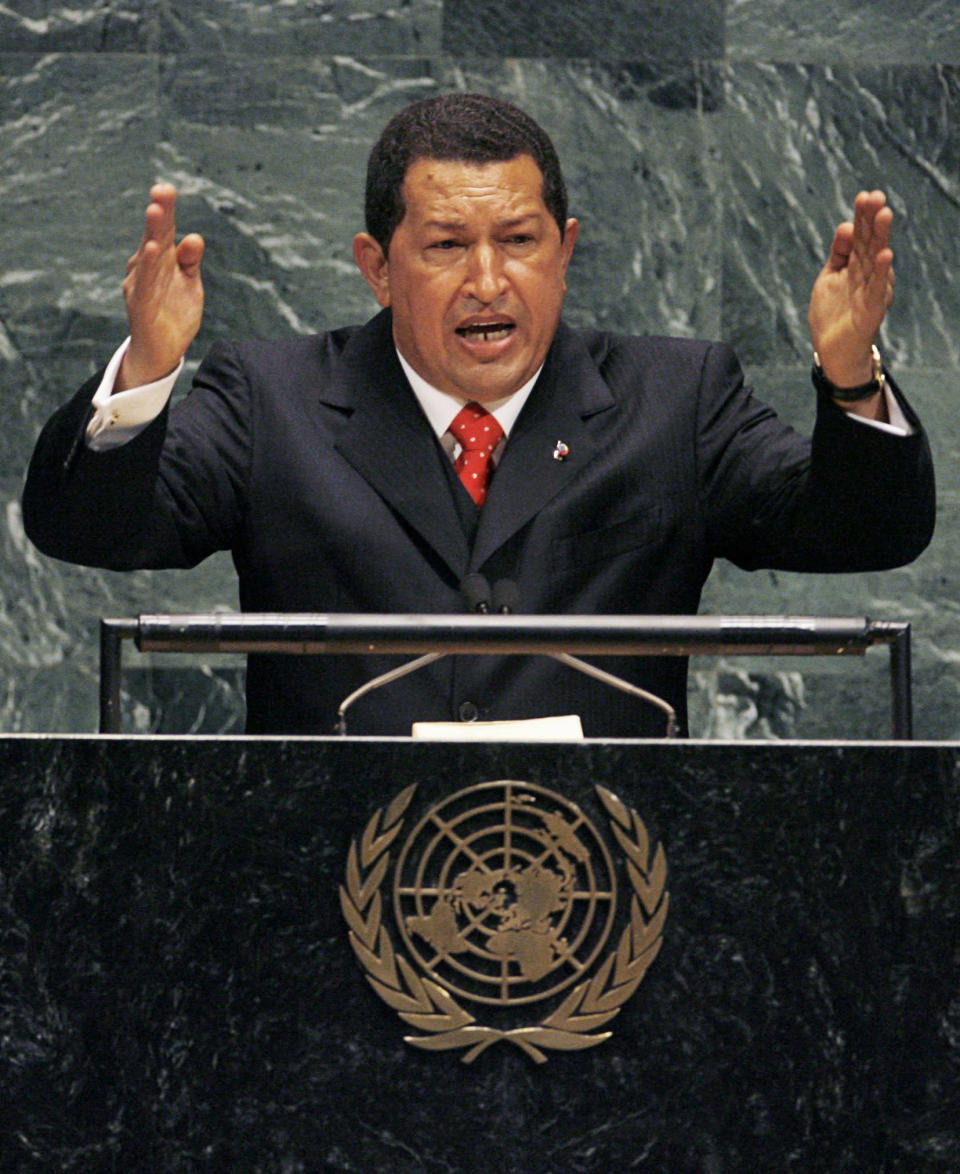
{"points": [[486, 279]]}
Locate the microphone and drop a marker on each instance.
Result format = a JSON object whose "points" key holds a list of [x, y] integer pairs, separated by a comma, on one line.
{"points": [[506, 597], [475, 591]]}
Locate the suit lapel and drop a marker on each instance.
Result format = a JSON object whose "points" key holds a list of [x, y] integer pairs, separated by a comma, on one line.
{"points": [[568, 395], [390, 444]]}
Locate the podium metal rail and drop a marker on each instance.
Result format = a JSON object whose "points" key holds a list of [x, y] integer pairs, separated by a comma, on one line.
{"points": [[303, 634]]}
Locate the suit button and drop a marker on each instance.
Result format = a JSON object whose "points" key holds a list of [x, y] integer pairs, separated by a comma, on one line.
{"points": [[468, 711]]}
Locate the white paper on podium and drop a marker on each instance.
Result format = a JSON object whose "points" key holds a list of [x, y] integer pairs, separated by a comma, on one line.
{"points": [[566, 728]]}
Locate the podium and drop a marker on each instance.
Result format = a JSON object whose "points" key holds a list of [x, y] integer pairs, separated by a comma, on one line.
{"points": [[180, 991]]}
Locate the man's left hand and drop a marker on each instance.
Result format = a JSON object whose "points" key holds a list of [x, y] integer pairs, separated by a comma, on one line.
{"points": [[853, 293]]}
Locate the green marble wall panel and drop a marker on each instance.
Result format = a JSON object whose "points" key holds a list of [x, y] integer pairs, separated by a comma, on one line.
{"points": [[847, 31], [800, 142], [293, 27], [78, 25], [645, 30], [707, 167], [299, 27]]}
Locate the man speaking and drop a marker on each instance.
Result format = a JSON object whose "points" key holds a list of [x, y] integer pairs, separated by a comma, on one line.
{"points": [[466, 429]]}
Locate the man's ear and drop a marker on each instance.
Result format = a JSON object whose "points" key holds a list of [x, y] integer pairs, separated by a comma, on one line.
{"points": [[373, 264], [570, 234]]}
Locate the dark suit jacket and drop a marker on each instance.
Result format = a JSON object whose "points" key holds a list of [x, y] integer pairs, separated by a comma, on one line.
{"points": [[311, 461]]}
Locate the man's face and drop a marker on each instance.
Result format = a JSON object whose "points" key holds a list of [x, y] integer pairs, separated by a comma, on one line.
{"points": [[474, 275]]}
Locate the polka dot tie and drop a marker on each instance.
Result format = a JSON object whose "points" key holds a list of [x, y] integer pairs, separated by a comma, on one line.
{"points": [[479, 434]]}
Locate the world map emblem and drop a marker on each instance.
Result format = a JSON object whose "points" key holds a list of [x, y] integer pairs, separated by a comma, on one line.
{"points": [[505, 896]]}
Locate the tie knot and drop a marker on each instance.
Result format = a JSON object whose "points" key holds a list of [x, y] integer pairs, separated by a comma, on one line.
{"points": [[476, 429]]}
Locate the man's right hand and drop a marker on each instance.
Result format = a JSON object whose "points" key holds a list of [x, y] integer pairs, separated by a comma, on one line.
{"points": [[163, 292]]}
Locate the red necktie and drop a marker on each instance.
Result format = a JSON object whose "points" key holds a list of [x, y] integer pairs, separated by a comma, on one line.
{"points": [[479, 434]]}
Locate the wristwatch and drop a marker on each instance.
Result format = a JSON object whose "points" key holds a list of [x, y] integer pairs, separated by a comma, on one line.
{"points": [[849, 395]]}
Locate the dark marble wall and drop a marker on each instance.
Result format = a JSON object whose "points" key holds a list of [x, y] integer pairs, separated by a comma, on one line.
{"points": [[710, 149]]}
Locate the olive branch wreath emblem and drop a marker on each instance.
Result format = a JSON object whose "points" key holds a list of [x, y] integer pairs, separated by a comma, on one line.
{"points": [[427, 1007]]}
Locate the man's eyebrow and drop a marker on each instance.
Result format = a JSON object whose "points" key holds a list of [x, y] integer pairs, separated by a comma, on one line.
{"points": [[446, 225], [516, 221]]}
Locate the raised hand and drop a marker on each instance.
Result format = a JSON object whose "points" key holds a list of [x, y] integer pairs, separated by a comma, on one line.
{"points": [[164, 294], [853, 292]]}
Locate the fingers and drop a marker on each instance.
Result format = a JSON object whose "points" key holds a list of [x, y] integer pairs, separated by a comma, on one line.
{"points": [[866, 239], [854, 290], [190, 254], [163, 291], [842, 246], [861, 248], [870, 211], [872, 225], [872, 257], [159, 223], [158, 247]]}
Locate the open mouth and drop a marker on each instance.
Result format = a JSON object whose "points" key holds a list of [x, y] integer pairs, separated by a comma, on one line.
{"points": [[487, 331]]}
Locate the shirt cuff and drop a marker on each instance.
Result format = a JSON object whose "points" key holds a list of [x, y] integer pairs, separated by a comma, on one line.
{"points": [[118, 418], [896, 423]]}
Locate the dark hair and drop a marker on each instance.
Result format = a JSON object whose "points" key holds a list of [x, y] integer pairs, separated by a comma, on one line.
{"points": [[471, 128]]}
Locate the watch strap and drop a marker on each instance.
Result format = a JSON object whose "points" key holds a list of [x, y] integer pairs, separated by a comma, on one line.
{"points": [[849, 395]]}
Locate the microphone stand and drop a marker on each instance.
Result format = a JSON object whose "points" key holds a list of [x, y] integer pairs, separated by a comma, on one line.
{"points": [[475, 591], [402, 670], [504, 600]]}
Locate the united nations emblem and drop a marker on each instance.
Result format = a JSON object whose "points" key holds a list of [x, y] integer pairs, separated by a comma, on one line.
{"points": [[505, 894]]}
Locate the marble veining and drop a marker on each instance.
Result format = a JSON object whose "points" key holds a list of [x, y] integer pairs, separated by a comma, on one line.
{"points": [[643, 30], [801, 141], [847, 31], [709, 149]]}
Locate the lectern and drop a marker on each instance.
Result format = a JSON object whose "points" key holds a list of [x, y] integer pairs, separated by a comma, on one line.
{"points": [[392, 956]]}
